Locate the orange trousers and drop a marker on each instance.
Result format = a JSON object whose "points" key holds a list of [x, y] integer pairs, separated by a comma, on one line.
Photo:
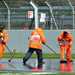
{"points": [[65, 50], [2, 49]]}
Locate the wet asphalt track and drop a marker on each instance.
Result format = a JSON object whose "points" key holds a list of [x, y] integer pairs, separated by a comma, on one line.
{"points": [[50, 65]]}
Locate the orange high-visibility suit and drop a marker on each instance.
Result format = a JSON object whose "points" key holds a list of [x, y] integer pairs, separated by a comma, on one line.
{"points": [[37, 38], [65, 43], [4, 37]]}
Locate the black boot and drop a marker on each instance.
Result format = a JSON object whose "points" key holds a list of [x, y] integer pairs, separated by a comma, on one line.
{"points": [[63, 61], [24, 62], [69, 60]]}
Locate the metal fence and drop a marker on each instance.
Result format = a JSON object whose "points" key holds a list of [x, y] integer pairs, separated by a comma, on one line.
{"points": [[19, 17]]}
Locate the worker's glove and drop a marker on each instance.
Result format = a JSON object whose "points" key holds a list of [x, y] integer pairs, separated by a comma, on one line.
{"points": [[3, 42], [0, 37], [43, 43], [62, 42]]}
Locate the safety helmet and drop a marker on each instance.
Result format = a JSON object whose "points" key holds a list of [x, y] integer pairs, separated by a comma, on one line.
{"points": [[65, 33], [37, 30]]}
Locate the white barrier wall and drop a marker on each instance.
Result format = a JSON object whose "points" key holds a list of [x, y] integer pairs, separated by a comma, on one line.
{"points": [[18, 39]]}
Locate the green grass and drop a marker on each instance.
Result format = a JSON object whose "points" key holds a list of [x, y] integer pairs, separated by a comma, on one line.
{"points": [[21, 55], [31, 73]]}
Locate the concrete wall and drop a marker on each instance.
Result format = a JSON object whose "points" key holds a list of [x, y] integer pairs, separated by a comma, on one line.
{"points": [[18, 39]]}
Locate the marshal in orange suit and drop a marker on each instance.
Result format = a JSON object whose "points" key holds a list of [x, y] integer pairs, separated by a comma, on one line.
{"points": [[3, 40], [36, 39], [65, 42]]}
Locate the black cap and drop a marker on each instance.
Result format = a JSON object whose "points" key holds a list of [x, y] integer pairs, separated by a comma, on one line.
{"points": [[65, 33], [2, 28]]}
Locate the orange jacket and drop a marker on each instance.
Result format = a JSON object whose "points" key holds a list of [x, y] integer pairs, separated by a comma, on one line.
{"points": [[68, 38], [37, 38], [4, 36]]}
